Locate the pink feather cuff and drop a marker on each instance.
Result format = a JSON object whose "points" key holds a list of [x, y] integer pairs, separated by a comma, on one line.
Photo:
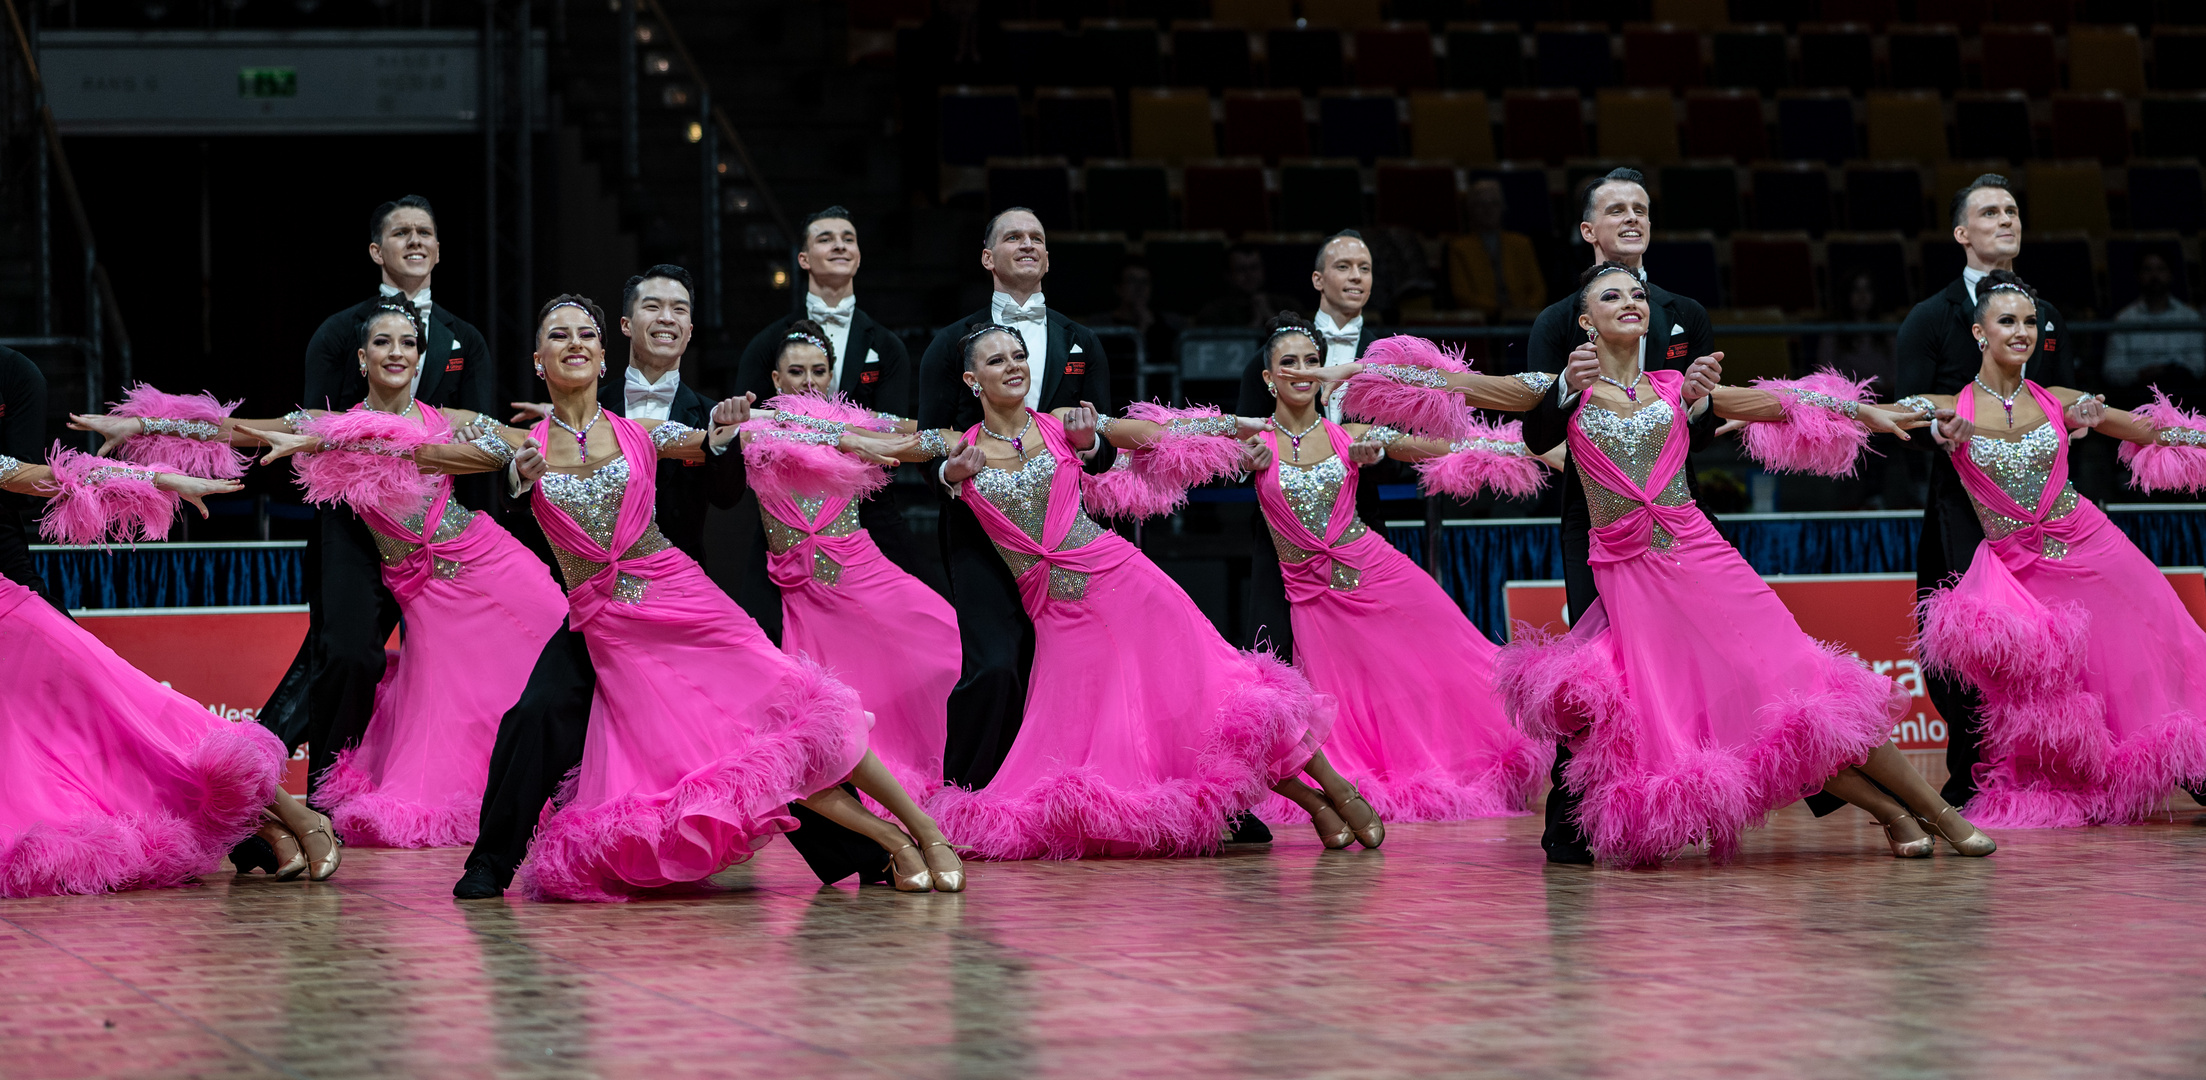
{"points": [[1153, 481], [1814, 437], [1493, 457], [2177, 460], [782, 460], [366, 461], [204, 452], [1401, 398], [95, 498], [1125, 494]]}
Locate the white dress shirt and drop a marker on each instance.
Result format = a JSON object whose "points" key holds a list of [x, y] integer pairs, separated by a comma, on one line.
{"points": [[1031, 320], [835, 319], [420, 301], [1340, 348], [648, 399], [1970, 276]]}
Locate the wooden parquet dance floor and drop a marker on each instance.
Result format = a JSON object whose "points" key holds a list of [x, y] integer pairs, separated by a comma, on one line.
{"points": [[1454, 951]]}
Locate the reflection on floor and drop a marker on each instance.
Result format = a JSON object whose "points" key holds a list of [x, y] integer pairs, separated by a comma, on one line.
{"points": [[1453, 952]]}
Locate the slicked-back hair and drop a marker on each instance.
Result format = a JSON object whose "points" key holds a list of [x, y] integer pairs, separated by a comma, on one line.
{"points": [[1344, 234], [817, 216], [382, 214], [1613, 176], [988, 231], [1961, 197], [669, 271]]}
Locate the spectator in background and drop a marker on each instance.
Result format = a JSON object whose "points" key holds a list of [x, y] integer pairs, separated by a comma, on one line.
{"points": [[1245, 302], [1493, 270], [1862, 355], [1158, 330], [2174, 360]]}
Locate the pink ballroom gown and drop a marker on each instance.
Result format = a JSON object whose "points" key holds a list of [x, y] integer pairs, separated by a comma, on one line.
{"points": [[417, 777], [108, 779], [1144, 731], [1420, 731], [875, 627], [2092, 672], [701, 732], [1694, 701]]}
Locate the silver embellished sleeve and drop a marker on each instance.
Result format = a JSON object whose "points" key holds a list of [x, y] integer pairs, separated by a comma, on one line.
{"points": [[890, 417], [1103, 424], [2173, 436], [670, 432], [1412, 375], [494, 444], [1382, 435], [812, 438], [8, 468], [813, 422], [932, 444], [1918, 402], [1491, 446], [1205, 425], [1540, 382], [296, 420], [187, 429], [1821, 400]]}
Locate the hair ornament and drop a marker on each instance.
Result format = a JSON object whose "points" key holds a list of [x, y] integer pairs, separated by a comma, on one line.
{"points": [[578, 307], [809, 339]]}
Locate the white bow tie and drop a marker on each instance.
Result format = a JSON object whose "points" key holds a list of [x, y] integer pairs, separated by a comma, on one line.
{"points": [[639, 390], [1342, 337], [1009, 314], [818, 310]]}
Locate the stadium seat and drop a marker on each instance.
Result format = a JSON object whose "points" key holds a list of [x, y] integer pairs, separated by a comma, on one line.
{"points": [[1969, 15], [1792, 195], [1572, 54], [1942, 259], [1542, 125], [978, 123], [1362, 124], [1684, 261], [1773, 270], [1485, 56], [1951, 176], [1694, 14], [1925, 57], [1226, 194], [1815, 124], [2053, 12], [1211, 56], [1725, 123], [1288, 258], [1701, 195], [2091, 123], [1078, 123], [1992, 124], [1836, 54], [1307, 59], [1171, 125], [1881, 197], [2122, 252], [1119, 53], [1187, 269], [2021, 57], [1252, 14], [1637, 124], [2106, 58], [1881, 255], [1131, 197], [2178, 57], [2166, 195], [1343, 14], [1531, 211], [2174, 124], [2065, 196], [2059, 266], [1041, 184], [1418, 195], [1873, 13], [1451, 125], [1397, 56], [1083, 269], [1323, 195], [1661, 54], [1750, 56], [1906, 125], [1268, 124], [1039, 51]]}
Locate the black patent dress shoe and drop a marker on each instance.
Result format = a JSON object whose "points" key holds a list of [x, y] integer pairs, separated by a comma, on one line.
{"points": [[1247, 830], [478, 883]]}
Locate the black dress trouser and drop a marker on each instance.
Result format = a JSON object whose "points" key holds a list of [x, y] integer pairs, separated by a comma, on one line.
{"points": [[350, 621], [989, 702]]}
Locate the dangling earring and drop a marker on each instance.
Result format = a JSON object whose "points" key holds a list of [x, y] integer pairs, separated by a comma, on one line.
{"points": [[976, 389], [1272, 389], [601, 369], [1980, 344], [1592, 335], [364, 367], [539, 371]]}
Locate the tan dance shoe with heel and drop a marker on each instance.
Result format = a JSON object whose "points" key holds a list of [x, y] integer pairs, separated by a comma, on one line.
{"points": [[1919, 848], [946, 880], [921, 880], [1975, 845], [1370, 835]]}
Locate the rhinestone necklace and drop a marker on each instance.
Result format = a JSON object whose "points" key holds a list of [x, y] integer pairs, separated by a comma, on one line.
{"points": [[2006, 401], [1018, 441], [1294, 438], [582, 437]]}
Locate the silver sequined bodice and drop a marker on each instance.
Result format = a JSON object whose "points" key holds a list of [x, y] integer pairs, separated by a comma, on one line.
{"points": [[2020, 468], [781, 535], [593, 499], [1634, 443], [1023, 496], [396, 550], [1312, 490]]}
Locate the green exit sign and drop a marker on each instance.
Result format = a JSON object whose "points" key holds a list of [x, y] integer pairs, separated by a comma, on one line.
{"points": [[267, 82]]}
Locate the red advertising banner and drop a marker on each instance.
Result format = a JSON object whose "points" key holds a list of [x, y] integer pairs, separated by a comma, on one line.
{"points": [[228, 659], [1871, 615]]}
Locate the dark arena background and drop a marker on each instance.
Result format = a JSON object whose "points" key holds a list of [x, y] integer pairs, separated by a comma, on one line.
{"points": [[185, 196]]}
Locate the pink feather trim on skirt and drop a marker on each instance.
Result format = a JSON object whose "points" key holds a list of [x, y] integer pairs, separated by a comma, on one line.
{"points": [[1495, 460], [367, 462], [1811, 438], [782, 466], [2166, 468], [96, 498], [371, 818], [213, 459]]}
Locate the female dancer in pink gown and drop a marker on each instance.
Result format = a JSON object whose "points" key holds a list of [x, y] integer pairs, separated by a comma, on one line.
{"points": [[1144, 730], [701, 732], [843, 603], [2093, 673], [1694, 702], [1420, 731], [108, 779]]}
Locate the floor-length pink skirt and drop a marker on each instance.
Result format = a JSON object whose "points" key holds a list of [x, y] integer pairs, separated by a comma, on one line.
{"points": [[1144, 731], [109, 780], [1420, 732], [417, 777], [888, 636], [701, 734], [1699, 705], [2117, 726]]}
